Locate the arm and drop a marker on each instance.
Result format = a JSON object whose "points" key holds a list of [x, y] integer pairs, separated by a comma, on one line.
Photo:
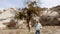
{"points": [[40, 25]]}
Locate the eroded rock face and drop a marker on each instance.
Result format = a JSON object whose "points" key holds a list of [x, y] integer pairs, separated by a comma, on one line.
{"points": [[56, 8], [50, 17], [6, 16], [1, 11]]}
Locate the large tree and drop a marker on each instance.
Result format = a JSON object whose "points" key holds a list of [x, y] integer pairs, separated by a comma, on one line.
{"points": [[29, 11], [32, 10]]}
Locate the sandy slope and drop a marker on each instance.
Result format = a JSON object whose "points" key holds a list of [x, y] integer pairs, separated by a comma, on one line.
{"points": [[44, 30]]}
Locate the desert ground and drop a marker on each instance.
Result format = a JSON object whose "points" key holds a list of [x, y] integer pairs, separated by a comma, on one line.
{"points": [[44, 30]]}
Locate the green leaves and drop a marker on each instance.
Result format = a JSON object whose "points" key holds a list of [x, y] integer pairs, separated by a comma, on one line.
{"points": [[19, 15]]}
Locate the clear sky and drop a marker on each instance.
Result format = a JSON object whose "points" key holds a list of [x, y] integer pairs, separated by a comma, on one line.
{"points": [[20, 4], [50, 3], [11, 3]]}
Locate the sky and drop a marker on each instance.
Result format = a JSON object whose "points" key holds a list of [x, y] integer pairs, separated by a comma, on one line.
{"points": [[11, 3], [49, 3], [20, 3]]}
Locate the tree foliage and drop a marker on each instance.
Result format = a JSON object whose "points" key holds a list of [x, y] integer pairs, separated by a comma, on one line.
{"points": [[28, 12]]}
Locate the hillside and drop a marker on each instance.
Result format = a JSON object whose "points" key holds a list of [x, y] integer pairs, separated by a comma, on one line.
{"points": [[44, 30]]}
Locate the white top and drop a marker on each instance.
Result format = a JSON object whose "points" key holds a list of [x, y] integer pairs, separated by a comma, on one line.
{"points": [[38, 26]]}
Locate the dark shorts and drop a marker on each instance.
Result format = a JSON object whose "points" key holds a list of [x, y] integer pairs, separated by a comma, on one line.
{"points": [[37, 32]]}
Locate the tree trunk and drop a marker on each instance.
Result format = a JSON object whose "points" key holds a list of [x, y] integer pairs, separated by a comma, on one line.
{"points": [[17, 24], [28, 24]]}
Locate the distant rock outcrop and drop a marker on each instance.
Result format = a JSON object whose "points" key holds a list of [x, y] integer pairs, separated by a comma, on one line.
{"points": [[56, 8], [7, 16], [51, 15]]}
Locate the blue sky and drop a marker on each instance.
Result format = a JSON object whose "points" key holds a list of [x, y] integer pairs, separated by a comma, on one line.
{"points": [[50, 3], [19, 3], [10, 3]]}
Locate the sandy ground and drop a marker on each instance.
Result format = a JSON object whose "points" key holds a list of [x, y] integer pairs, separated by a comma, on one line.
{"points": [[44, 30]]}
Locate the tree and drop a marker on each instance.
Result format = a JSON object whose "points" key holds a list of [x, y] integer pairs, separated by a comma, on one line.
{"points": [[18, 16], [32, 10], [29, 11]]}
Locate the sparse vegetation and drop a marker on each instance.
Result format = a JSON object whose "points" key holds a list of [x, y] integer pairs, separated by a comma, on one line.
{"points": [[49, 23]]}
